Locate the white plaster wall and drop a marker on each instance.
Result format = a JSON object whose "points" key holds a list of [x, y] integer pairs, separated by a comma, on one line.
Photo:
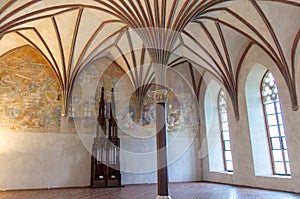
{"points": [[188, 165], [42, 160], [138, 158], [55, 160]]}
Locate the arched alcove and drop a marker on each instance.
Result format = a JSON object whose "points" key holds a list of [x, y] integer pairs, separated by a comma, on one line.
{"points": [[259, 140], [214, 142]]}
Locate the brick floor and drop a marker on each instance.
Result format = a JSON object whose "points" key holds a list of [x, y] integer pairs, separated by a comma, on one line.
{"points": [[177, 191]]}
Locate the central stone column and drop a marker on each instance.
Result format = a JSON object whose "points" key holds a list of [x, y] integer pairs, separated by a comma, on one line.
{"points": [[159, 58], [160, 98]]}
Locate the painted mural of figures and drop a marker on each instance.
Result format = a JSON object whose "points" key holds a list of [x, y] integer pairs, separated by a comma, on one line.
{"points": [[148, 116], [174, 115], [6, 81]]}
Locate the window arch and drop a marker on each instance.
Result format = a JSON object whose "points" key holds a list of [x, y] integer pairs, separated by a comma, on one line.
{"points": [[274, 124], [225, 135]]}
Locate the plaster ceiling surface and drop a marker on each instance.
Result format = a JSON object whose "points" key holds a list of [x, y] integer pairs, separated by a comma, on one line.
{"points": [[211, 36]]}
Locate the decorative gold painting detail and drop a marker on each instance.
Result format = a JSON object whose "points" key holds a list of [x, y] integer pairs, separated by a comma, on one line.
{"points": [[30, 96]]}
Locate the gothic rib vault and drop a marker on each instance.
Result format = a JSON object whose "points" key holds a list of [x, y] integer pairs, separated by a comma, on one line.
{"points": [[205, 36]]}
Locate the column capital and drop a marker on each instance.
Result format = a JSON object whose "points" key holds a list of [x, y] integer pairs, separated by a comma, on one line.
{"points": [[160, 95]]}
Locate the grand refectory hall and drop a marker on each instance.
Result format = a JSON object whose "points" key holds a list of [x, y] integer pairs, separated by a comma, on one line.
{"points": [[181, 99]]}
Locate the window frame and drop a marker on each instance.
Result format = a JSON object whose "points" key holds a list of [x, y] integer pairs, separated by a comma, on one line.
{"points": [[221, 122], [280, 129]]}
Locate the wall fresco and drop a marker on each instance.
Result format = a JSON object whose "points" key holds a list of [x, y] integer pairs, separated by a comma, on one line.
{"points": [[181, 105], [30, 97], [83, 109]]}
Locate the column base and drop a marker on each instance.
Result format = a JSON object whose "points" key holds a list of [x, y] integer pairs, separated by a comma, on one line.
{"points": [[163, 197]]}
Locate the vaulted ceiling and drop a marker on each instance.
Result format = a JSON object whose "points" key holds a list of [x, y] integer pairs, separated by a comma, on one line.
{"points": [[202, 36]]}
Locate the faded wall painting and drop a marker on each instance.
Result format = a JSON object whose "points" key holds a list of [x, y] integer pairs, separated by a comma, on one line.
{"points": [[84, 103], [181, 105], [83, 108], [30, 96]]}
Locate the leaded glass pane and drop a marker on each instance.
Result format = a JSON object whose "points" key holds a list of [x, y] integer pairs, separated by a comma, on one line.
{"points": [[228, 155], [229, 165], [277, 155], [272, 120], [225, 126], [224, 117], [227, 146], [273, 130], [275, 143], [226, 135], [279, 168], [270, 109]]}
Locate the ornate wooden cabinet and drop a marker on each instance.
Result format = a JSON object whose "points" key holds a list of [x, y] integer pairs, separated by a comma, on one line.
{"points": [[105, 164]]}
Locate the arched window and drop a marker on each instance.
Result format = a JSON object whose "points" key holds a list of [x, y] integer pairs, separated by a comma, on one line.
{"points": [[275, 127], [224, 127]]}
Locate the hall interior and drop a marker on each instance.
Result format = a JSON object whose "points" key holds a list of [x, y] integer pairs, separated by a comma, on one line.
{"points": [[204, 91]]}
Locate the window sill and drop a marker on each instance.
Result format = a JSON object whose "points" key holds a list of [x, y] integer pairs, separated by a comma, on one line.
{"points": [[224, 172], [275, 176]]}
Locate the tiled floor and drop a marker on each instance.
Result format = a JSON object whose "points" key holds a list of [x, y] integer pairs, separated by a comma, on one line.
{"points": [[178, 191]]}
